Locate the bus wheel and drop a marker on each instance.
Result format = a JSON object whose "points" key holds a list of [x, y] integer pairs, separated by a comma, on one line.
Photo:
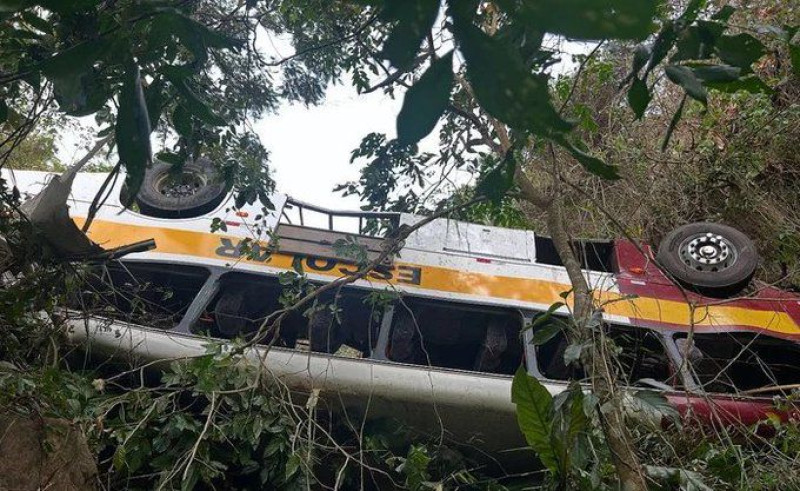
{"points": [[195, 191], [708, 257]]}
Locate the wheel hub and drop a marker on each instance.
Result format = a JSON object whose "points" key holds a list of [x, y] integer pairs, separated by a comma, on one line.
{"points": [[181, 186], [708, 252]]}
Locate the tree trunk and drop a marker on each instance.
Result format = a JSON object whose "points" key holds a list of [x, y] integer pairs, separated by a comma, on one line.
{"points": [[612, 418]]}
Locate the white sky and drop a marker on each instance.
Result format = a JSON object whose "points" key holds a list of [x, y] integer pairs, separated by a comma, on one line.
{"points": [[310, 147]]}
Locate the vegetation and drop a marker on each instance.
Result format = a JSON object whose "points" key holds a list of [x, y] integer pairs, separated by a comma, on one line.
{"points": [[677, 112]]}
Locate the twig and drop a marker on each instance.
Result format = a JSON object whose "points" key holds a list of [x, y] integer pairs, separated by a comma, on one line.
{"points": [[202, 435], [578, 76], [390, 247], [326, 44]]}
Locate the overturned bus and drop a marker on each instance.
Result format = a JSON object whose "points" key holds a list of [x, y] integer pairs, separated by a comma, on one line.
{"points": [[434, 335]]}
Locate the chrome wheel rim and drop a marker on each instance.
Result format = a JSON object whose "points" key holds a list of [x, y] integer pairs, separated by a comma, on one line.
{"points": [[708, 252]]}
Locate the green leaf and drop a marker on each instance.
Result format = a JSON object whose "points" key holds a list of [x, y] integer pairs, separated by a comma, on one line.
{"points": [[118, 459], [182, 121], [716, 73], [37, 22], [674, 477], [499, 180], [193, 475], [741, 50], [794, 54], [663, 43], [692, 9], [170, 158], [749, 83], [76, 59], [155, 98], [3, 111], [640, 56], [673, 123], [724, 13], [196, 37], [684, 77], [177, 76], [572, 354], [415, 19], [292, 466], [580, 19], [589, 162], [14, 5], [425, 101], [534, 415], [690, 45], [80, 94], [544, 317], [639, 97], [658, 403], [132, 131], [504, 86], [544, 334], [569, 427]]}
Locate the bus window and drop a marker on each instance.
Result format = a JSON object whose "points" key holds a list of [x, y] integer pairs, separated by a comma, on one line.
{"points": [[452, 336], [342, 322], [641, 355], [148, 294], [735, 362]]}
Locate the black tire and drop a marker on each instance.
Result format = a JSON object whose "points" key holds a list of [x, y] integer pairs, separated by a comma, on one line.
{"points": [[198, 190], [710, 258]]}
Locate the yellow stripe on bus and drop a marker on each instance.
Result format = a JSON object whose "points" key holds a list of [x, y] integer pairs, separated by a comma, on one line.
{"points": [[205, 244]]}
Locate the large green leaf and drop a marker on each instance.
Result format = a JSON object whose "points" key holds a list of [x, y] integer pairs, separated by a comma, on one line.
{"points": [[749, 83], [716, 73], [534, 415], [196, 37], [504, 86], [499, 180], [37, 22], [589, 162], [14, 5], [684, 77], [425, 101], [656, 402], [414, 20], [741, 50], [155, 98], [544, 333], [78, 87], [724, 13], [570, 423], [80, 94], [673, 123], [75, 59], [639, 97], [178, 77], [132, 130], [588, 19], [794, 54], [182, 121]]}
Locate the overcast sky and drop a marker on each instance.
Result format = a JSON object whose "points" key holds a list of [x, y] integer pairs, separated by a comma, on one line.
{"points": [[310, 147]]}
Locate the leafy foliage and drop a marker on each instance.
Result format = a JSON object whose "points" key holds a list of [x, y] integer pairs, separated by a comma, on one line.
{"points": [[556, 428]]}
